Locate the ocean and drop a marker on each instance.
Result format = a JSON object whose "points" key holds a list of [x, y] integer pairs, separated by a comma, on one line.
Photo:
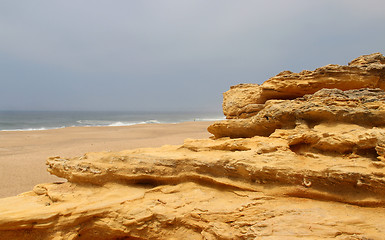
{"points": [[44, 120]]}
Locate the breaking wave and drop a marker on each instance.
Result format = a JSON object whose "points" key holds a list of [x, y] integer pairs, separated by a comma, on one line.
{"points": [[30, 129], [39, 121], [104, 123]]}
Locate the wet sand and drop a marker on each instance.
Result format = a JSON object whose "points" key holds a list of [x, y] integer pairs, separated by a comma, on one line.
{"points": [[23, 153]]}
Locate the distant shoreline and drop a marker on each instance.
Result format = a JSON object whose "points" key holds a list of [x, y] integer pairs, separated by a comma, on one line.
{"points": [[100, 126], [38, 121]]}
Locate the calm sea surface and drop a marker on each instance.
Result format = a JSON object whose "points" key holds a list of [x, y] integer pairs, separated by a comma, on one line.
{"points": [[39, 120]]}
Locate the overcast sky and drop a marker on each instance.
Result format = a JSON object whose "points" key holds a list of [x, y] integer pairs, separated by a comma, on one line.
{"points": [[169, 54]]}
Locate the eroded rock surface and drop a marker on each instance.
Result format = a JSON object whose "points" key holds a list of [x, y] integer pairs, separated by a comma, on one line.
{"points": [[250, 188], [245, 100], [361, 106], [311, 167]]}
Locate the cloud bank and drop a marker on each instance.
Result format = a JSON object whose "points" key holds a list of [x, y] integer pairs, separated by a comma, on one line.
{"points": [[171, 54]]}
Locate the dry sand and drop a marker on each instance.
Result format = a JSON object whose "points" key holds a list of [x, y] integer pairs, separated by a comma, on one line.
{"points": [[23, 154]]}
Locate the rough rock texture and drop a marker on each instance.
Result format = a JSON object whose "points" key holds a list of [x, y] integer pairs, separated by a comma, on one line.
{"points": [[282, 187], [306, 168], [362, 106], [246, 100]]}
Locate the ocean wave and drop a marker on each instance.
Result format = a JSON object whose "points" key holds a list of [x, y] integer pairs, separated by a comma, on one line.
{"points": [[105, 123], [31, 129], [122, 124], [86, 123], [40, 121]]}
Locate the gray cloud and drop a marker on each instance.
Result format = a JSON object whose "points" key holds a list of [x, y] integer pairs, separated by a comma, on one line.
{"points": [[171, 54]]}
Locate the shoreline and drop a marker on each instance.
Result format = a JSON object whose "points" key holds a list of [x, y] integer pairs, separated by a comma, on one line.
{"points": [[23, 153], [117, 124], [48, 120]]}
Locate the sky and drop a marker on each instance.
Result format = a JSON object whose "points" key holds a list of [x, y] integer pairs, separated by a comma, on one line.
{"points": [[169, 55]]}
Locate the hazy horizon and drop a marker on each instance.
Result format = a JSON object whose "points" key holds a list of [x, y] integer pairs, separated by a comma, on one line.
{"points": [[169, 55]]}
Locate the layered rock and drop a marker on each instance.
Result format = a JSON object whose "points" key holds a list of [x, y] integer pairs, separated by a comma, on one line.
{"points": [[310, 167], [362, 106], [246, 100], [213, 189]]}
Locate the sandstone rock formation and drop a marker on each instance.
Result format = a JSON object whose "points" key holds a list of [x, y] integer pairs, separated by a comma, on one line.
{"points": [[310, 167], [246, 100], [362, 106]]}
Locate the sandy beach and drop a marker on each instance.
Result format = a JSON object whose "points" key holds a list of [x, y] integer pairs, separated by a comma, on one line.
{"points": [[23, 153]]}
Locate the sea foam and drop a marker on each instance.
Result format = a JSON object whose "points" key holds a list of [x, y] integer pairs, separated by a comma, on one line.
{"points": [[40, 120], [31, 129]]}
